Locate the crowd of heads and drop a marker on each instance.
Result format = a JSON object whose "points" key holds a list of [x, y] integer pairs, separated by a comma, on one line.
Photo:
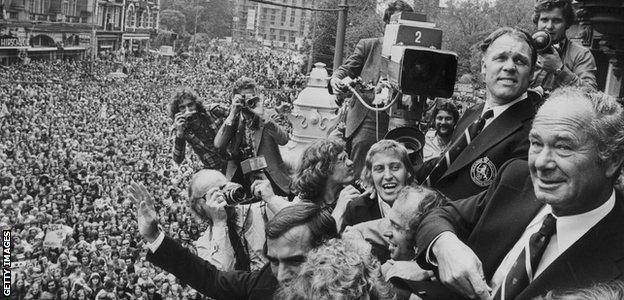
{"points": [[75, 138]]}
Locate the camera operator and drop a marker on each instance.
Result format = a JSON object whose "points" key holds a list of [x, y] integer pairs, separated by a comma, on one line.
{"points": [[566, 62], [234, 238], [365, 62], [251, 140], [197, 126]]}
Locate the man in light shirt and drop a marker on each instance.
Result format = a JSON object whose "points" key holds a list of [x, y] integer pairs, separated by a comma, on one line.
{"points": [[555, 223], [508, 59], [235, 237]]}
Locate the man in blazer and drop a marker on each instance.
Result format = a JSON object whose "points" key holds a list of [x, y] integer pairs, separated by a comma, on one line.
{"points": [[362, 125], [291, 234], [508, 59], [575, 157], [245, 133]]}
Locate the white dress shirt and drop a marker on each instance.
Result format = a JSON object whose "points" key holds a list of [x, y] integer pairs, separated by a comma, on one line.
{"points": [[569, 230], [499, 109]]}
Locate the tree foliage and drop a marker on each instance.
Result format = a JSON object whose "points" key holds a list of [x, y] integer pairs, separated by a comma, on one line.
{"points": [[466, 23], [363, 21], [214, 17]]}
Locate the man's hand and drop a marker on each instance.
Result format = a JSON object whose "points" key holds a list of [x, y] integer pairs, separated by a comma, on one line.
{"points": [[147, 216], [337, 133], [179, 123], [347, 194], [215, 206], [237, 105], [550, 62], [408, 270], [262, 188], [459, 267], [337, 85]]}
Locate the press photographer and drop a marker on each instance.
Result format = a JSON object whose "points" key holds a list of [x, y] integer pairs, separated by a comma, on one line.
{"points": [[251, 142], [564, 62], [197, 126]]}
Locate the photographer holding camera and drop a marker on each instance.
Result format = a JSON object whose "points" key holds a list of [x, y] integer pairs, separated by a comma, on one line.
{"points": [[194, 124], [565, 62], [251, 142], [234, 239]]}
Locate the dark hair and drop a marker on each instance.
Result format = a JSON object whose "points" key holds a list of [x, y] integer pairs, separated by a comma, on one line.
{"points": [[243, 83], [548, 5], [317, 164], [185, 93], [320, 222], [447, 107], [514, 32], [394, 7]]}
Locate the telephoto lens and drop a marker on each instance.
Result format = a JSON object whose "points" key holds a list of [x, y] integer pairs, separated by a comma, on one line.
{"points": [[237, 196], [234, 195], [542, 41]]}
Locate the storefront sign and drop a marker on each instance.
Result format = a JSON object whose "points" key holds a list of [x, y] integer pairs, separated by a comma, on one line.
{"points": [[11, 41]]}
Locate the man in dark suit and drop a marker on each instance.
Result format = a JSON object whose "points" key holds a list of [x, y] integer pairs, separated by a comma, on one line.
{"points": [[291, 234], [246, 134], [554, 224], [508, 59], [361, 125]]}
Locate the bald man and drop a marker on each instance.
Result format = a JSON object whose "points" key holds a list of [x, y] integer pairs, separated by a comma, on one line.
{"points": [[229, 229]]}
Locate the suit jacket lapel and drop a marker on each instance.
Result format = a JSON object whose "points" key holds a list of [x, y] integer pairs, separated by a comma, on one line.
{"points": [[593, 258], [504, 125], [257, 136], [515, 214]]}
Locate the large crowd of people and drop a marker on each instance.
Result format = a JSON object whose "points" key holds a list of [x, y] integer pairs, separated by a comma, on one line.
{"points": [[515, 198], [73, 139]]}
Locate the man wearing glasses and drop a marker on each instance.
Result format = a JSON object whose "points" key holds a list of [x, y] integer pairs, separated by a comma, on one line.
{"points": [[234, 238]]}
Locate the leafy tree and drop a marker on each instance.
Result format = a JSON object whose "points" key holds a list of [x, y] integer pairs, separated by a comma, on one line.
{"points": [[363, 21], [173, 20], [214, 17]]}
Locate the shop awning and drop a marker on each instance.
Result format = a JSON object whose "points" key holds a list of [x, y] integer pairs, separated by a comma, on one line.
{"points": [[42, 49], [74, 48]]}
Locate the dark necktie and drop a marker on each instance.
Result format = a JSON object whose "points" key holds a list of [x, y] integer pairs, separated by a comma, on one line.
{"points": [[444, 162], [520, 274]]}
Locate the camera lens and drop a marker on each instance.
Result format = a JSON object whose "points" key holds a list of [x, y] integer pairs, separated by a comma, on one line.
{"points": [[251, 103], [234, 195], [542, 41]]}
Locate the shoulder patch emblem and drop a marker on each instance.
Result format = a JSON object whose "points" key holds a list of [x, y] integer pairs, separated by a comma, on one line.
{"points": [[482, 172]]}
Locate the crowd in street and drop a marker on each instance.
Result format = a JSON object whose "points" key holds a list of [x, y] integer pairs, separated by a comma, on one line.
{"points": [[73, 139]]}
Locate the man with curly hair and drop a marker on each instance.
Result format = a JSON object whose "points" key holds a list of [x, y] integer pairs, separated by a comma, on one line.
{"points": [[339, 269], [197, 126]]}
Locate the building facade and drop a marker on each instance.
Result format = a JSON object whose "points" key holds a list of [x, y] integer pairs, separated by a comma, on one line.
{"points": [[51, 29], [45, 29], [275, 26], [141, 23]]}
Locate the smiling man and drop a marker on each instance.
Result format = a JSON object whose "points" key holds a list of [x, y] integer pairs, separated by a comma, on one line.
{"points": [[445, 118], [555, 223], [567, 63], [491, 133]]}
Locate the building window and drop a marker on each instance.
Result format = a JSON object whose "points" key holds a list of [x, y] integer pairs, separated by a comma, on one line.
{"points": [[130, 16], [149, 18]]}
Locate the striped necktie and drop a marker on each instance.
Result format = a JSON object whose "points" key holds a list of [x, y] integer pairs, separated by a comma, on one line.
{"points": [[523, 270], [444, 162]]}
